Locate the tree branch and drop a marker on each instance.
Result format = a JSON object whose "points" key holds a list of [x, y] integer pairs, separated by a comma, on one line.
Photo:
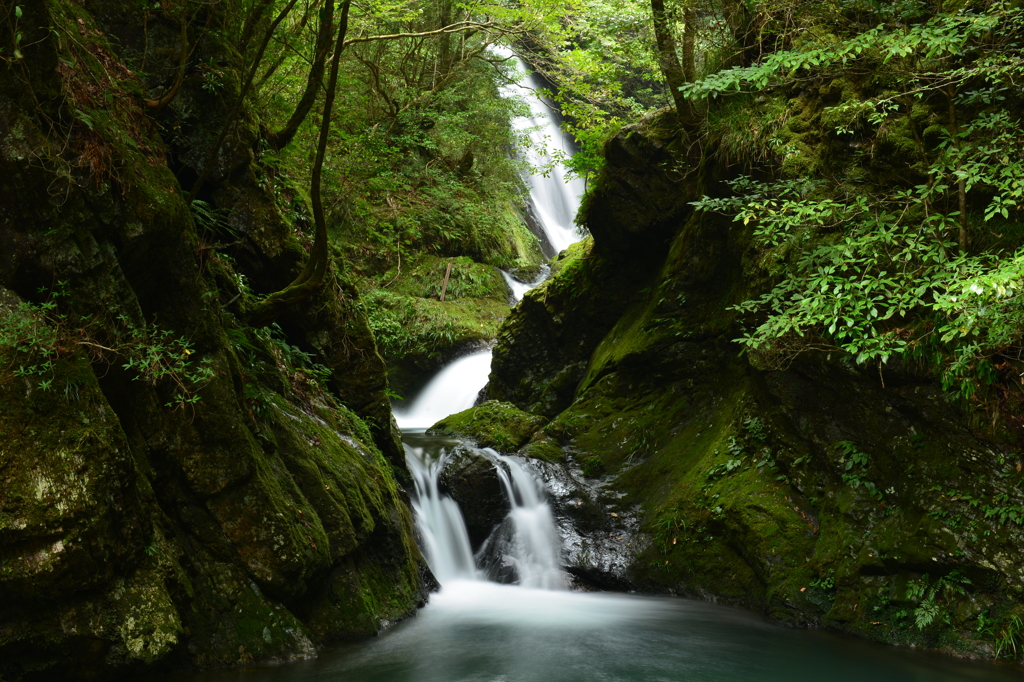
{"points": [[457, 27], [230, 121]]}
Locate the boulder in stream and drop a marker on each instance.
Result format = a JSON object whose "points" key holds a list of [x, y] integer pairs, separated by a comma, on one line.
{"points": [[471, 479], [493, 424]]}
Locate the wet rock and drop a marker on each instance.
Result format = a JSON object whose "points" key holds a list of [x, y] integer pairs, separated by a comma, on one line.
{"points": [[471, 479], [543, 347], [599, 531]]}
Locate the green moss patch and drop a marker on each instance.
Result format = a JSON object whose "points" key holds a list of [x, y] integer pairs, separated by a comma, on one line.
{"points": [[494, 424]]}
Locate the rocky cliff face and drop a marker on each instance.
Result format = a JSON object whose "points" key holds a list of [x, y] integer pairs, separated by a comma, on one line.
{"points": [[862, 499], [176, 488]]}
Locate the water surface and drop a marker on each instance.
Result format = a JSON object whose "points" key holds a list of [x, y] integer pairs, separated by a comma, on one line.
{"points": [[474, 631]]}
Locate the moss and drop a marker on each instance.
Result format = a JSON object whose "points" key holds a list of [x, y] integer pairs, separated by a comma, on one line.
{"points": [[543, 447], [66, 469], [493, 424], [416, 332], [134, 535], [743, 487]]}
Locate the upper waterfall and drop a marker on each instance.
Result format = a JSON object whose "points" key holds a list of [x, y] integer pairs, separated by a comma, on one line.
{"points": [[554, 198]]}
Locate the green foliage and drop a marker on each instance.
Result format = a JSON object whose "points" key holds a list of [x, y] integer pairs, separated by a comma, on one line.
{"points": [[156, 355], [855, 464], [929, 595], [12, 25], [406, 325], [31, 333], [827, 583], [755, 428], [1009, 637], [591, 465], [602, 61], [924, 262], [724, 469], [940, 36], [420, 146], [639, 442], [39, 334]]}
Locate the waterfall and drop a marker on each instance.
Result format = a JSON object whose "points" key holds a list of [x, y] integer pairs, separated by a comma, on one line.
{"points": [[533, 548], [453, 389], [519, 287], [554, 199], [525, 548], [443, 532]]}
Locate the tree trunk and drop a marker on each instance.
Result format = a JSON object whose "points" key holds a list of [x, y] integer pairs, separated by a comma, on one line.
{"points": [[312, 276], [961, 185], [689, 38], [172, 92], [445, 47], [282, 138], [668, 59]]}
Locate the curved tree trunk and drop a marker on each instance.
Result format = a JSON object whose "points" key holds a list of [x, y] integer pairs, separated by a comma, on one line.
{"points": [[167, 97], [312, 276], [668, 59], [280, 139]]}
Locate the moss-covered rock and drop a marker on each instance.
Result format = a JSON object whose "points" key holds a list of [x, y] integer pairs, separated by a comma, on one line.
{"points": [[416, 331], [821, 494], [541, 352], [492, 424], [179, 490]]}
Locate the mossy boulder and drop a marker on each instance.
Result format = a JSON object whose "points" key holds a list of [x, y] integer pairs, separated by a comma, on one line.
{"points": [[541, 354], [643, 159], [417, 332], [217, 504], [492, 424], [74, 512]]}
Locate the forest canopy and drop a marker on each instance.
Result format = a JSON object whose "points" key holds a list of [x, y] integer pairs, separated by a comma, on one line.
{"points": [[873, 148]]}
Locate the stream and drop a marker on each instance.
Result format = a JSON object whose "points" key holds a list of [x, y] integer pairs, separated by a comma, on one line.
{"points": [[475, 630]]}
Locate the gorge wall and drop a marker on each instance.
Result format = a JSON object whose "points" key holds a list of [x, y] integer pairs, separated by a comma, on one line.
{"points": [[177, 488], [819, 492]]}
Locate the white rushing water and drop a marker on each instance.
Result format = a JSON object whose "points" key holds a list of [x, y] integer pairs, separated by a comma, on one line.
{"points": [[534, 549], [442, 530], [554, 198], [531, 544], [554, 201], [453, 389], [519, 287], [527, 541]]}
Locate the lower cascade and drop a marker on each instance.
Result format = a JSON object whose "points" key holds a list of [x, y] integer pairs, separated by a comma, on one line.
{"points": [[443, 531], [524, 549], [532, 549]]}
